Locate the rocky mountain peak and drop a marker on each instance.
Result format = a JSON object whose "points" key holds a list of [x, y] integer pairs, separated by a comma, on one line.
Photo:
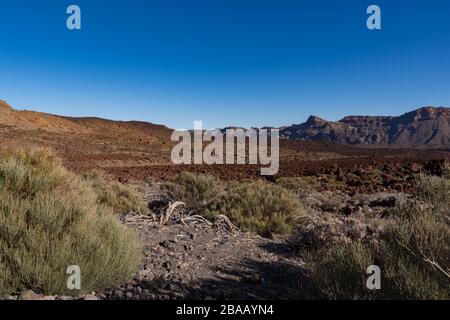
{"points": [[314, 120]]}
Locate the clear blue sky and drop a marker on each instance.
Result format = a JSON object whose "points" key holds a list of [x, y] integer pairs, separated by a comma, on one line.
{"points": [[226, 62]]}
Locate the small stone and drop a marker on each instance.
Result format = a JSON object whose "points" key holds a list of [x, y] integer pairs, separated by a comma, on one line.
{"points": [[118, 294], [29, 295], [172, 287], [166, 244], [177, 295], [91, 296], [129, 295], [101, 296], [64, 298]]}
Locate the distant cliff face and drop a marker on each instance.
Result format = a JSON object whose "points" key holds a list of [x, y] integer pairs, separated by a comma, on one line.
{"points": [[424, 126]]}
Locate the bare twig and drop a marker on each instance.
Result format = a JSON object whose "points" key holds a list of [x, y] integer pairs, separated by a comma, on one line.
{"points": [[223, 222], [133, 218], [425, 259], [169, 211], [195, 219]]}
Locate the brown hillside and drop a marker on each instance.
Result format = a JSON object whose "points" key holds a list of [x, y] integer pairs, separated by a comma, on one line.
{"points": [[31, 120], [87, 142]]}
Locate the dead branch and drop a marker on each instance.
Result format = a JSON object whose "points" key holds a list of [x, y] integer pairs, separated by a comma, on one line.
{"points": [[222, 222], [165, 217]]}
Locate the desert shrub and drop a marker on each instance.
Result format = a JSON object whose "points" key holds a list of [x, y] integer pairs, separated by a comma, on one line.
{"points": [[434, 190], [354, 179], [121, 198], [373, 177], [413, 254], [50, 219], [196, 191], [25, 173], [326, 230], [304, 184], [446, 170], [297, 184], [339, 272], [417, 252], [258, 206]]}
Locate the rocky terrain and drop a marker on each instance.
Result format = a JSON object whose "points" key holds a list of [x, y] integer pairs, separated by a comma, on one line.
{"points": [[188, 257]]}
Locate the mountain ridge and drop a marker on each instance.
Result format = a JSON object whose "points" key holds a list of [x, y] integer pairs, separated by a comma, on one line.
{"points": [[423, 126], [426, 126]]}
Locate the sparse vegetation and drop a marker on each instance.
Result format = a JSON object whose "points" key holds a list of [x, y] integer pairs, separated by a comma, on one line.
{"points": [[435, 191], [121, 198], [417, 251], [51, 219], [253, 205], [258, 206], [446, 170], [297, 184], [329, 230], [414, 252]]}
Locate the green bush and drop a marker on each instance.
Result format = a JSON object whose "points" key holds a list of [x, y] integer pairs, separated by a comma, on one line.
{"points": [[258, 206], [196, 191], [121, 198], [49, 220]]}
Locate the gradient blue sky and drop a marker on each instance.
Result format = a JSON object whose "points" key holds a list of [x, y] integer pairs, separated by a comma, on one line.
{"points": [[226, 62]]}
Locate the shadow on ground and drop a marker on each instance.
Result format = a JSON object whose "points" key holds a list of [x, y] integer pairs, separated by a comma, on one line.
{"points": [[249, 279]]}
